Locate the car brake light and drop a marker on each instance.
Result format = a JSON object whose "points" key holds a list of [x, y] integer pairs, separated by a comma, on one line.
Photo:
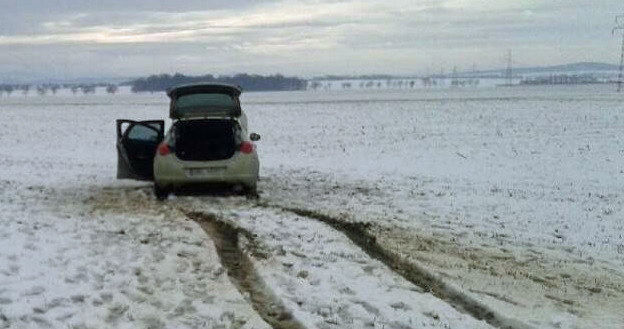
{"points": [[163, 149], [246, 147]]}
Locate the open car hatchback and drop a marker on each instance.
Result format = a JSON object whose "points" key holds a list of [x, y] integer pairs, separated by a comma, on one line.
{"points": [[208, 143]]}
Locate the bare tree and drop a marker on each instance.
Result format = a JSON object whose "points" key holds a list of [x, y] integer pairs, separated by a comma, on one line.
{"points": [[87, 89], [42, 90], [111, 89], [315, 85]]}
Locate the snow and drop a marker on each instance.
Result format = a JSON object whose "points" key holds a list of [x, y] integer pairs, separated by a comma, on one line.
{"points": [[508, 177], [97, 269], [513, 195], [66, 263], [327, 281]]}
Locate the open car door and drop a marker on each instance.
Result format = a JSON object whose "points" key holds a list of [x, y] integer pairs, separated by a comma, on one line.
{"points": [[137, 142]]}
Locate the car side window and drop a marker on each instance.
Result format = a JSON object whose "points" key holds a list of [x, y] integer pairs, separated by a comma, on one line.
{"points": [[142, 133], [173, 132], [238, 133]]}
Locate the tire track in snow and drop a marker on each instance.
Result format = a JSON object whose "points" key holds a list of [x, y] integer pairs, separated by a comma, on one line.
{"points": [[241, 272], [358, 233]]}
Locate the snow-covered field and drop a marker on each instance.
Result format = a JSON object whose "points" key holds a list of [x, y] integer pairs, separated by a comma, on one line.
{"points": [[510, 196]]}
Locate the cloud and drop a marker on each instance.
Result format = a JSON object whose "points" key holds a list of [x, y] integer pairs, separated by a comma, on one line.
{"points": [[298, 37]]}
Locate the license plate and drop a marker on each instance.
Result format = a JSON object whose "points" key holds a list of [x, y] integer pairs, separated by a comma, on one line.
{"points": [[195, 172]]}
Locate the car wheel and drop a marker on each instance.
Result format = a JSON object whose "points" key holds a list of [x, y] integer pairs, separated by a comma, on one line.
{"points": [[251, 191], [160, 192]]}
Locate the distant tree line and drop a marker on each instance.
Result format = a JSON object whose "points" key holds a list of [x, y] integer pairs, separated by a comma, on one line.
{"points": [[561, 79], [393, 83], [357, 77], [249, 82], [53, 88]]}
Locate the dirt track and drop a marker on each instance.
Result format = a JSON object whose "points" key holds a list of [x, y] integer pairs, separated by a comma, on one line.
{"points": [[433, 264], [241, 272]]}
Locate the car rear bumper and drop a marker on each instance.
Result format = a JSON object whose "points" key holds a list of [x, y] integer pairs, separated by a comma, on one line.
{"points": [[169, 171]]}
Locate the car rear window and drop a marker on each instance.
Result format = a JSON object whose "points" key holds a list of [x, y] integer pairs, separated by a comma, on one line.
{"points": [[205, 100]]}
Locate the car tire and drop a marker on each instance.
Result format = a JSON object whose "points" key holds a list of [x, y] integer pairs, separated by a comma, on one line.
{"points": [[251, 191], [160, 192]]}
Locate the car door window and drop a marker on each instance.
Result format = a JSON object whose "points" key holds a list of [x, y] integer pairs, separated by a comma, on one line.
{"points": [[143, 133]]}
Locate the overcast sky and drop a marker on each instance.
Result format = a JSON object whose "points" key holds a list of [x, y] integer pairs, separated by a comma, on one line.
{"points": [[122, 38]]}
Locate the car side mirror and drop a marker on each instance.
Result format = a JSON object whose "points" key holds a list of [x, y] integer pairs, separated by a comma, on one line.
{"points": [[254, 137]]}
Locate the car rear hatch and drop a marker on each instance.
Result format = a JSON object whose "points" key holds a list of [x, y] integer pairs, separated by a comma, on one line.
{"points": [[204, 100], [206, 139]]}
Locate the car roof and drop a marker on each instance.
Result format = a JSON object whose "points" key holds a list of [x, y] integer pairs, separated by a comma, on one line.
{"points": [[203, 87]]}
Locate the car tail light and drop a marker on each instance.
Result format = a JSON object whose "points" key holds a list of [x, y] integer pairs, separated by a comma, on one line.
{"points": [[246, 147], [163, 149]]}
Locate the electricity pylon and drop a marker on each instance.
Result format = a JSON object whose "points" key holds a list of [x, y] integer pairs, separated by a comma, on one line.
{"points": [[509, 70], [620, 26]]}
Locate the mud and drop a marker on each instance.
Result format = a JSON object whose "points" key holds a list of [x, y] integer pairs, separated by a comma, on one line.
{"points": [[359, 234], [225, 237], [435, 263], [241, 272]]}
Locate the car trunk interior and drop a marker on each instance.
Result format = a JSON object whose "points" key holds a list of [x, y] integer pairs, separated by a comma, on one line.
{"points": [[205, 140]]}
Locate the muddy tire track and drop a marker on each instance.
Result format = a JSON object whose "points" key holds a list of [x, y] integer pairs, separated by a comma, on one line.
{"points": [[359, 233], [241, 272], [243, 275]]}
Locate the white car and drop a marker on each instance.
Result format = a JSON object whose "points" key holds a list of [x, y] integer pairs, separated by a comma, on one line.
{"points": [[208, 142]]}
